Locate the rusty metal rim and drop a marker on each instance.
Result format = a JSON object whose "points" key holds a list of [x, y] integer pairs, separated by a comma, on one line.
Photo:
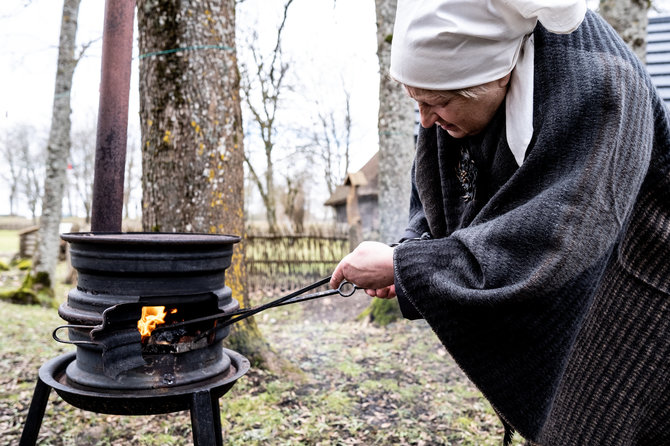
{"points": [[137, 402], [150, 238]]}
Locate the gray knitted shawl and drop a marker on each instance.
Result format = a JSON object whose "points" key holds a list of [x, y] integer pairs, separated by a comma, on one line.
{"points": [[549, 283]]}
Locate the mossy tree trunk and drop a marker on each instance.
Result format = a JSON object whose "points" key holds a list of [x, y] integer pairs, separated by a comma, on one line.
{"points": [[396, 150], [192, 141], [58, 152]]}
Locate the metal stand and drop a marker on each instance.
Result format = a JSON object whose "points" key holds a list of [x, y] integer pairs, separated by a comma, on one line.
{"points": [[206, 419], [36, 411], [201, 399]]}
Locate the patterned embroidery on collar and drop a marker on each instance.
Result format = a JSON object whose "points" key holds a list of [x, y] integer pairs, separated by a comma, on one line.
{"points": [[467, 175]]}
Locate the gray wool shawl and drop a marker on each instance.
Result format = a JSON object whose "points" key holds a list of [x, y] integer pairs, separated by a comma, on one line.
{"points": [[549, 283]]}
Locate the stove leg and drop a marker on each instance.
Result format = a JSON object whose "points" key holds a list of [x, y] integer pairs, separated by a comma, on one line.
{"points": [[36, 411], [206, 419]]}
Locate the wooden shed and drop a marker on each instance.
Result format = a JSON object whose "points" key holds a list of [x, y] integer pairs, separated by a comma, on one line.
{"points": [[29, 237], [365, 185], [28, 242]]}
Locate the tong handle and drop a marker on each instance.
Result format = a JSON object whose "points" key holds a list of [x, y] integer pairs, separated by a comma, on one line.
{"points": [[347, 289], [54, 334]]}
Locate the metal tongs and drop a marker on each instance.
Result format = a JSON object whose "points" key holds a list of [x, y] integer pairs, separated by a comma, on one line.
{"points": [[223, 319], [345, 289]]}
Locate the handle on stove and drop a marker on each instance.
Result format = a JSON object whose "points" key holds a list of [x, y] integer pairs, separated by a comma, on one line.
{"points": [[63, 341]]}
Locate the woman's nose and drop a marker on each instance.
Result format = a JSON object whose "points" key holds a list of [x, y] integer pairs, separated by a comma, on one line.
{"points": [[427, 116]]}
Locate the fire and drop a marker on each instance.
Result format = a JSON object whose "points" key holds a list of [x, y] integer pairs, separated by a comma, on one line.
{"points": [[151, 317]]}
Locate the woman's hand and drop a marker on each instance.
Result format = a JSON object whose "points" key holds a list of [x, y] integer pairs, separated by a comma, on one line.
{"points": [[369, 266], [382, 293]]}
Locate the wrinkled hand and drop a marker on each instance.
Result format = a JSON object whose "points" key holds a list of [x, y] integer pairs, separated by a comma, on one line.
{"points": [[382, 293], [369, 266]]}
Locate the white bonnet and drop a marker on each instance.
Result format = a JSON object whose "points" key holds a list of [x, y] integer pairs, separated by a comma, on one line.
{"points": [[453, 44]]}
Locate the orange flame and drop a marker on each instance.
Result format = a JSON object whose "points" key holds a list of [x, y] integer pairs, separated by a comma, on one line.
{"points": [[151, 317]]}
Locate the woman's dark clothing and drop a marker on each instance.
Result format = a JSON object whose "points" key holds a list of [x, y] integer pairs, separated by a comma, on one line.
{"points": [[549, 283]]}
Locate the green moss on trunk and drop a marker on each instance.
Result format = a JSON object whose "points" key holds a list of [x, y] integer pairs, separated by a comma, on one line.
{"points": [[35, 290], [382, 311], [246, 340]]}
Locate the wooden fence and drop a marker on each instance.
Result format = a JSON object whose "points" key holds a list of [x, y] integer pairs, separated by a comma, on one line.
{"points": [[291, 261]]}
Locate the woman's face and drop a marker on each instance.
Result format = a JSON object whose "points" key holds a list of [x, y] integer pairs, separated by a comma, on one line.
{"points": [[457, 115]]}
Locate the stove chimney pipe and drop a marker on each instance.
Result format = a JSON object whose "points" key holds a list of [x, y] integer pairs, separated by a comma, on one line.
{"points": [[110, 147]]}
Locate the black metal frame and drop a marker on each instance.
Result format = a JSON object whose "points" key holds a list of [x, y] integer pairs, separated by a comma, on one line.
{"points": [[201, 399]]}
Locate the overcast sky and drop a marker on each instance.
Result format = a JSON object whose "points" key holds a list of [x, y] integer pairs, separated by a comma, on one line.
{"points": [[29, 29], [329, 43], [332, 44]]}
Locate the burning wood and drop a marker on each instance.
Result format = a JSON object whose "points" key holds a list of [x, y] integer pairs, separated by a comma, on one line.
{"points": [[151, 318]]}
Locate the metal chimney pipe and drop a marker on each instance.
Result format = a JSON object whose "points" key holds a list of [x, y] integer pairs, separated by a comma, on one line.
{"points": [[110, 147]]}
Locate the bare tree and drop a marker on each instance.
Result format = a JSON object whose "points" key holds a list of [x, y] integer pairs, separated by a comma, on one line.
{"points": [[329, 141], [11, 159], [58, 148], [293, 200], [82, 155], [31, 172], [133, 175], [629, 19], [262, 86]]}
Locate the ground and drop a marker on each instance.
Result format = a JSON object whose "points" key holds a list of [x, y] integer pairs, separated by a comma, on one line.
{"points": [[359, 385]]}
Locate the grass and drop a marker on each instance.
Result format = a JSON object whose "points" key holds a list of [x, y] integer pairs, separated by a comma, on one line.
{"points": [[9, 242], [361, 385]]}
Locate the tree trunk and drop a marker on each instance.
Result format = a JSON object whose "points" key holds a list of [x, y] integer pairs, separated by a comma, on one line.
{"points": [[396, 148], [58, 149], [396, 134], [629, 19], [191, 123]]}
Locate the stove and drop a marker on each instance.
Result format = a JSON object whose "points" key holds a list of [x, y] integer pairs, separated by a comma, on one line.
{"points": [[134, 353]]}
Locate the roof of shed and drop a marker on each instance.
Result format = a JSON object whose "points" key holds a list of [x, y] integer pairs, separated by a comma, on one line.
{"points": [[369, 172]]}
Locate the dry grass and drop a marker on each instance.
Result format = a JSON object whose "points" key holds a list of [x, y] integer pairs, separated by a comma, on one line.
{"points": [[361, 385]]}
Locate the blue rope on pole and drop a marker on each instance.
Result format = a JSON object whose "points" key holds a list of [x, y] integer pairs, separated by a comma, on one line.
{"points": [[188, 48]]}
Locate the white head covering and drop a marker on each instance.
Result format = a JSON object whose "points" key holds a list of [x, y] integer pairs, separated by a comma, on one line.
{"points": [[454, 44]]}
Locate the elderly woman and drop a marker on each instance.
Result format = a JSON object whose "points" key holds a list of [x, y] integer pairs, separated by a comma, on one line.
{"points": [[538, 242]]}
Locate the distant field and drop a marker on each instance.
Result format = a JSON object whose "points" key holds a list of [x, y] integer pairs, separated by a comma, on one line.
{"points": [[14, 222], [9, 242]]}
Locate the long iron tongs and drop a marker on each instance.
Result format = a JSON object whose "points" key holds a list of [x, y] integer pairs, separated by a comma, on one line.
{"points": [[345, 289]]}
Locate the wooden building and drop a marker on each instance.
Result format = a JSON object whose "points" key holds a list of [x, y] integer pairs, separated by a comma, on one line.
{"points": [[360, 194], [658, 54]]}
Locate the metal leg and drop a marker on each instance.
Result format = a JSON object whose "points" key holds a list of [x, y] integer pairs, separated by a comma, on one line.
{"points": [[36, 411], [206, 419]]}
